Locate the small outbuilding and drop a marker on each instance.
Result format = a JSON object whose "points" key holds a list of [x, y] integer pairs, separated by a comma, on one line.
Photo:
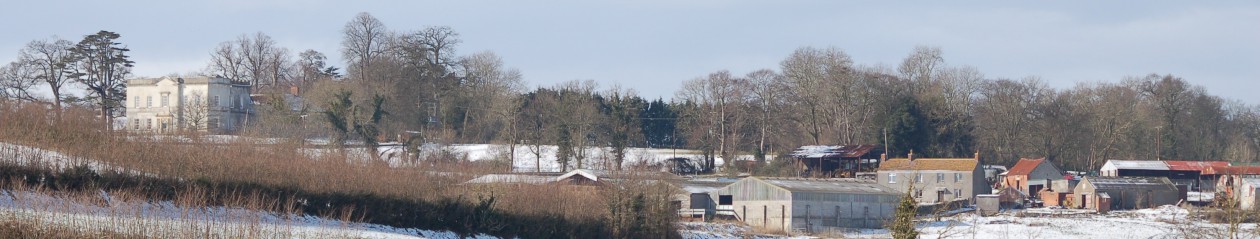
{"points": [[1246, 193], [1032, 175], [808, 205], [695, 200], [1125, 193]]}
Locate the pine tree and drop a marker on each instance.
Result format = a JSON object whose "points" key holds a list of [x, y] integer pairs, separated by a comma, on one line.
{"points": [[903, 221]]}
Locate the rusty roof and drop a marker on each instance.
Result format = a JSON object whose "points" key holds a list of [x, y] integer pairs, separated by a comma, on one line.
{"points": [[951, 164], [1025, 166], [1194, 165], [833, 151], [1232, 170]]}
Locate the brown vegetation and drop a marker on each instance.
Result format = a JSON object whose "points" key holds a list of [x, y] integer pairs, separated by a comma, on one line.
{"points": [[286, 168]]}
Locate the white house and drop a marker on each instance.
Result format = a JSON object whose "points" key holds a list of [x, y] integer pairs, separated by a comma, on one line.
{"points": [[168, 104]]}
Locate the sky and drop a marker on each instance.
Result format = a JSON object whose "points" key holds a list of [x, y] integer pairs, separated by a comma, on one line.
{"points": [[653, 46]]}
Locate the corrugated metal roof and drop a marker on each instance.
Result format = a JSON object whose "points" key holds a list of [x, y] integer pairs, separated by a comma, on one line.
{"points": [[1112, 183], [833, 151], [1194, 165], [695, 186], [1025, 166], [952, 164], [1138, 164], [1232, 170], [830, 185]]}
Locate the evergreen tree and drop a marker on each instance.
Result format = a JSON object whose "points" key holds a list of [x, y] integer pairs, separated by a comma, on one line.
{"points": [[903, 220]]}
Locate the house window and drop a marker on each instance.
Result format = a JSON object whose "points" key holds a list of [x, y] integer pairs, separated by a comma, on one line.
{"points": [[213, 123], [165, 99], [957, 193], [918, 178], [214, 101], [957, 177], [940, 177], [148, 123], [148, 101], [918, 193], [135, 124], [136, 104], [725, 200], [892, 177]]}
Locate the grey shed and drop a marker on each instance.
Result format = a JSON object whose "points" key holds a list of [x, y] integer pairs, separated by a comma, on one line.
{"points": [[807, 204]]}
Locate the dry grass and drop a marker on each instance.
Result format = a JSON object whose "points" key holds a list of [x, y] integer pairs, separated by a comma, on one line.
{"points": [[77, 133], [42, 213]]}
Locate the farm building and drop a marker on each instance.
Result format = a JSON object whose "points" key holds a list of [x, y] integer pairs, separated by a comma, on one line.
{"points": [[808, 205], [1228, 177], [935, 180], [1246, 193], [695, 199], [1188, 173], [1059, 193], [1104, 193], [837, 161], [1032, 175]]}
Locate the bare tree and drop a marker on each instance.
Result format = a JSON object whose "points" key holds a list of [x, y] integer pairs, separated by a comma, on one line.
{"points": [[52, 58], [767, 91], [809, 71], [196, 111], [364, 38], [255, 59], [17, 81], [718, 96]]}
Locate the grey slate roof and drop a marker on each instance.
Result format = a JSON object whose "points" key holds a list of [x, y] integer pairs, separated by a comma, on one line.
{"points": [[829, 185]]}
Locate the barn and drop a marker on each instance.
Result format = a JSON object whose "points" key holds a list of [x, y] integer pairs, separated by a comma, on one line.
{"points": [[1125, 193], [808, 204]]}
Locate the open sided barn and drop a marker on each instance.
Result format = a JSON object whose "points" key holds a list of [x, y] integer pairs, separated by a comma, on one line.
{"points": [[837, 161]]}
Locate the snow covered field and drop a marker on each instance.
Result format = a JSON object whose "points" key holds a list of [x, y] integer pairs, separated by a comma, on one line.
{"points": [[1157, 223], [166, 219]]}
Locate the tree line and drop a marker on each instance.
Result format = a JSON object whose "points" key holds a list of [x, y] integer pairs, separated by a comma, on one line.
{"points": [[414, 85]]}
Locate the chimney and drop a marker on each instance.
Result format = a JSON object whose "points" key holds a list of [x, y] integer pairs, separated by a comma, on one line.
{"points": [[910, 155], [294, 90]]}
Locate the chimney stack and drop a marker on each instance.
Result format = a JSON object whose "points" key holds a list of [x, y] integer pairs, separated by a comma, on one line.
{"points": [[294, 90]]}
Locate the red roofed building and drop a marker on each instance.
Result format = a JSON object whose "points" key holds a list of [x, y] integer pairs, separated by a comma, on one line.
{"points": [[1229, 177], [1031, 175]]}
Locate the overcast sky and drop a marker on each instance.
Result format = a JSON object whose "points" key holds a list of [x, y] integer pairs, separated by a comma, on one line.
{"points": [[652, 46]]}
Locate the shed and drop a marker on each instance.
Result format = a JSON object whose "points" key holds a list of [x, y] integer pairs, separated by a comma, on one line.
{"points": [[843, 161], [808, 205], [1191, 174], [696, 199], [1032, 175], [988, 204], [1127, 192], [1246, 194]]}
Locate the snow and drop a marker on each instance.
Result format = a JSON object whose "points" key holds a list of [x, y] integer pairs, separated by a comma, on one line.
{"points": [[702, 230], [1162, 222], [530, 159], [108, 213], [23, 155]]}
